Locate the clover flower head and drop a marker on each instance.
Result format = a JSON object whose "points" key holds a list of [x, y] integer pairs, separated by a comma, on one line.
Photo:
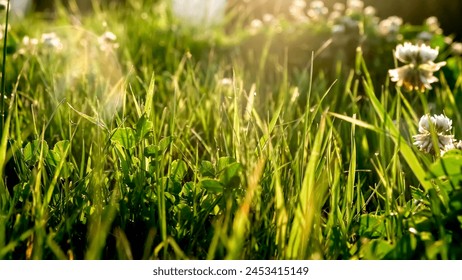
{"points": [[297, 10], [268, 18], [442, 126], [350, 23], [459, 145], [29, 42], [338, 29], [301, 4], [389, 28], [108, 36], [51, 40], [317, 10], [108, 41], [425, 36], [3, 5], [339, 7], [28, 46], [418, 73], [441, 123], [255, 26], [334, 17], [370, 11], [417, 54], [456, 48], [433, 25], [227, 82], [354, 6]]}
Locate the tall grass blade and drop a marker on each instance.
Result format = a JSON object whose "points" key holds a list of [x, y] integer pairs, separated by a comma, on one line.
{"points": [[302, 226], [241, 221], [3, 88]]}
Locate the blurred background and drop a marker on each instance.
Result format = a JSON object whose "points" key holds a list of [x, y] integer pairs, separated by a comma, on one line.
{"points": [[448, 12]]}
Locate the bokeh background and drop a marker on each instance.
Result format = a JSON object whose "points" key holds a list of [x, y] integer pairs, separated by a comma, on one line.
{"points": [[449, 12]]}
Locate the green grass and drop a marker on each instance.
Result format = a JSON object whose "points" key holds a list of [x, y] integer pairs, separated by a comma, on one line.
{"points": [[147, 153]]}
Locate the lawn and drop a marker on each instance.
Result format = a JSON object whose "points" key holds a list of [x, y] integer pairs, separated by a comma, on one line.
{"points": [[133, 132]]}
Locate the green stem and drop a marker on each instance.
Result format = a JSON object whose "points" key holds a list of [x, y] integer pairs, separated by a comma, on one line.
{"points": [[2, 102]]}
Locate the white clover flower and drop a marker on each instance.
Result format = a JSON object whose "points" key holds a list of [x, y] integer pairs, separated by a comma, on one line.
{"points": [[300, 4], [425, 36], [456, 48], [432, 21], [433, 25], [338, 29], [418, 73], [227, 82], [3, 5], [317, 10], [350, 23], [355, 6], [268, 18], [338, 7], [344, 31], [297, 10], [255, 26], [29, 42], [459, 145], [28, 46], [108, 36], [334, 17], [370, 11], [417, 54], [108, 41], [389, 27], [319, 7], [51, 40], [441, 126], [441, 123]]}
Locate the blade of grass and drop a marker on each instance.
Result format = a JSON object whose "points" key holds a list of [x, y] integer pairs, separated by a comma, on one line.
{"points": [[149, 97], [300, 232], [350, 186], [5, 39], [4, 193], [241, 220]]}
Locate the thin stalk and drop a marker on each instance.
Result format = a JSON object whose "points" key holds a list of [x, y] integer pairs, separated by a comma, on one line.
{"points": [[2, 103]]}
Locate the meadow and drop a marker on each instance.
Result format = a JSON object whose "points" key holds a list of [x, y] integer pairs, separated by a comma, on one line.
{"points": [[127, 133]]}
